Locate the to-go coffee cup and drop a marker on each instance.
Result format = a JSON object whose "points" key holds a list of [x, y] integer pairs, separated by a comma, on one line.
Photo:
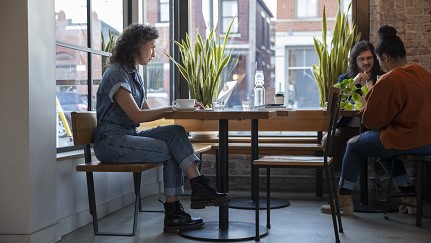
{"points": [[279, 99], [184, 104]]}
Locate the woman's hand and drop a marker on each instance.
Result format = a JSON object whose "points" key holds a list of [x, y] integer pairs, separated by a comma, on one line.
{"points": [[199, 104]]}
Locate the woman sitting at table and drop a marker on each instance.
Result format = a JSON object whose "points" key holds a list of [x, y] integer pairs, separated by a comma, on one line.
{"points": [[398, 114], [122, 106], [363, 69]]}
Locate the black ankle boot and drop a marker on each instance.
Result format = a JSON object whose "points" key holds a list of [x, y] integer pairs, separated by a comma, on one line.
{"points": [[204, 195], [176, 219]]}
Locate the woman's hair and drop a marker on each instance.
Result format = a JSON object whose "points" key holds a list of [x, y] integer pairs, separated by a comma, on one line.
{"points": [[130, 41], [356, 51], [390, 43]]}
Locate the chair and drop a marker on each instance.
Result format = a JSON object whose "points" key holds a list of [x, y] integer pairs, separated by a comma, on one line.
{"points": [[83, 125], [421, 160], [313, 162]]}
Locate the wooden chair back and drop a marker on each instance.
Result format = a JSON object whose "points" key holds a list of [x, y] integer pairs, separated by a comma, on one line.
{"points": [[333, 110], [83, 125]]}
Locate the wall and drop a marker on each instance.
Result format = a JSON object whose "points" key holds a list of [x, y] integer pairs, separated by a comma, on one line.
{"points": [[41, 198], [412, 19]]}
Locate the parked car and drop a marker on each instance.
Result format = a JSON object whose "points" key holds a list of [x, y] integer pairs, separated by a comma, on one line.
{"points": [[69, 101]]}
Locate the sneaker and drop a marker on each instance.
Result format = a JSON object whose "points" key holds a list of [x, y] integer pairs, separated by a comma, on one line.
{"points": [[346, 205], [408, 205]]}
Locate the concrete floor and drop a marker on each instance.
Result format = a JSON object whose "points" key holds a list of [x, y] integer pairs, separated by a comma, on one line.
{"points": [[300, 222]]}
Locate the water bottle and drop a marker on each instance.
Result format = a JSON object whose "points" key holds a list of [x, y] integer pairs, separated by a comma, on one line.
{"points": [[259, 90]]}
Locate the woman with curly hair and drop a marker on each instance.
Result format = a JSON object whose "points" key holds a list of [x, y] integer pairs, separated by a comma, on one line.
{"points": [[122, 106]]}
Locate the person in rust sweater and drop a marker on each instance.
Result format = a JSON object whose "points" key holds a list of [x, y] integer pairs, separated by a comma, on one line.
{"points": [[398, 116]]}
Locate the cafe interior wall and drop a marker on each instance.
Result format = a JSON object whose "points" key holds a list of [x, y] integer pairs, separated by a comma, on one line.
{"points": [[412, 19], [42, 198]]}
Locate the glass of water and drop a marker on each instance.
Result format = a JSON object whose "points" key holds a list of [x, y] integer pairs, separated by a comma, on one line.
{"points": [[218, 105]]}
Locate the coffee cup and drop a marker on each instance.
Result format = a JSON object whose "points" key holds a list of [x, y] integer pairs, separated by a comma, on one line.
{"points": [[279, 99], [182, 104]]}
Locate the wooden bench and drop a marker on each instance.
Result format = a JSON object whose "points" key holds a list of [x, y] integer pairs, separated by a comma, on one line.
{"points": [[83, 126]]}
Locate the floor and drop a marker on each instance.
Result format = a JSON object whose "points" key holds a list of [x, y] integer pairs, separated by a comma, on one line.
{"points": [[300, 222]]}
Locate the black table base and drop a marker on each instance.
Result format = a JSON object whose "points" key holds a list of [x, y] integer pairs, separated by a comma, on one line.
{"points": [[374, 207], [247, 203], [238, 231]]}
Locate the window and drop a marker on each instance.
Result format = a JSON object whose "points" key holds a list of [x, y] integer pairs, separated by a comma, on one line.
{"points": [[251, 50], [229, 11], [156, 74], [345, 5], [301, 87], [163, 11], [81, 56], [306, 8]]}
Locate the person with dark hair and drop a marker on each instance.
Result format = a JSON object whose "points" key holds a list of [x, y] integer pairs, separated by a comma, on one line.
{"points": [[397, 113], [121, 106], [364, 69]]}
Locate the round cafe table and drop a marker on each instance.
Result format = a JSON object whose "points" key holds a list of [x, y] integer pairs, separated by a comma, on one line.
{"points": [[224, 229]]}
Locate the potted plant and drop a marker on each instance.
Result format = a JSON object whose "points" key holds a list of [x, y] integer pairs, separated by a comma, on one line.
{"points": [[333, 59], [202, 64]]}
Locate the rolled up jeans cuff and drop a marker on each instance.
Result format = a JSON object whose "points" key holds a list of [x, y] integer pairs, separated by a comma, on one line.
{"points": [[346, 184], [174, 191], [185, 164], [402, 180]]}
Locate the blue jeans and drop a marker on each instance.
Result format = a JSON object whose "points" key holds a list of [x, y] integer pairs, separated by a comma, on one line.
{"points": [[368, 144], [164, 144]]}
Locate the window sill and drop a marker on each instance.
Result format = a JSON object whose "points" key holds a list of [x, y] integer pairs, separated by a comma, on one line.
{"points": [[77, 154]]}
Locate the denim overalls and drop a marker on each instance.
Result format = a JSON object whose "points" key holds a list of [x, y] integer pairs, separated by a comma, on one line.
{"points": [[118, 141]]}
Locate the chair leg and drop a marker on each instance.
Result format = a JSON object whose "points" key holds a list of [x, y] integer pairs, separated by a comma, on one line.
{"points": [[319, 184], [333, 205], [419, 193], [256, 205], [388, 192], [92, 201], [337, 204], [93, 207], [268, 196]]}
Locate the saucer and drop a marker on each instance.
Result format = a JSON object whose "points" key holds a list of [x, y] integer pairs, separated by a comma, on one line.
{"points": [[185, 109]]}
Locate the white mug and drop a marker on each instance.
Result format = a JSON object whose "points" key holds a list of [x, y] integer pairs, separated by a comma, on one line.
{"points": [[184, 103]]}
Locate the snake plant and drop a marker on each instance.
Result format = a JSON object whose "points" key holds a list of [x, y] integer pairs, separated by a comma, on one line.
{"points": [[202, 63], [333, 59]]}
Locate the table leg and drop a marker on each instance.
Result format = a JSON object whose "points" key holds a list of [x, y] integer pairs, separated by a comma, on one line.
{"points": [[224, 230], [363, 205], [249, 203]]}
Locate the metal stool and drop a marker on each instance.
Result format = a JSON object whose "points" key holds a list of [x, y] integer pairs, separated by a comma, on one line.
{"points": [[421, 159]]}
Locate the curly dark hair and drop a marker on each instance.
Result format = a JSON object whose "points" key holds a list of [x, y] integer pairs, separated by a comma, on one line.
{"points": [[356, 51], [130, 41], [390, 43]]}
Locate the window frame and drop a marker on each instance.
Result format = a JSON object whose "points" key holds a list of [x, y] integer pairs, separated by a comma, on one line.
{"points": [[228, 18], [90, 51]]}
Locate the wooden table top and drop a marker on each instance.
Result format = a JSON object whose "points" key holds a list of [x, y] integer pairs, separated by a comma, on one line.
{"points": [[221, 115]]}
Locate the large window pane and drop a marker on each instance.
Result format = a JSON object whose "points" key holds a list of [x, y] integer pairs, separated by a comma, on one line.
{"points": [[251, 47], [77, 78], [156, 73], [71, 21], [107, 17], [71, 90]]}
